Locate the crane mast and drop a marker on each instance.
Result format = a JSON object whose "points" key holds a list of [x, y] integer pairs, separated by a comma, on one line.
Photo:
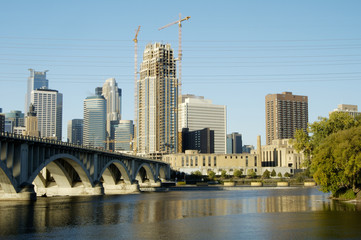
{"points": [[179, 22], [135, 40]]}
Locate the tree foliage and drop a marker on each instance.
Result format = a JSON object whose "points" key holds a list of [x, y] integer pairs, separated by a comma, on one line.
{"points": [[332, 151], [211, 175], [273, 173], [238, 173], [266, 174], [224, 174], [336, 162], [251, 173]]}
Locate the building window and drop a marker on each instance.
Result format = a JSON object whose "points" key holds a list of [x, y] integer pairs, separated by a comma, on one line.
{"points": [[187, 161], [196, 161], [182, 161], [204, 161], [209, 161], [215, 161], [255, 161], [192, 161], [246, 161]]}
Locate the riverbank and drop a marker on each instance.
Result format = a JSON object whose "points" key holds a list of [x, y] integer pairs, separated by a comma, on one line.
{"points": [[217, 187]]}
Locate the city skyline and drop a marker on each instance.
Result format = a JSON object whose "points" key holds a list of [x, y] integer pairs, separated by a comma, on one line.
{"points": [[248, 50]]}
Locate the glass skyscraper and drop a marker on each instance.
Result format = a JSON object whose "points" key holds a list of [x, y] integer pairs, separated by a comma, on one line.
{"points": [[36, 80], [94, 130]]}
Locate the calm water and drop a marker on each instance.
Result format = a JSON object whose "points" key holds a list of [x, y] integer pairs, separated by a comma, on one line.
{"points": [[262, 213]]}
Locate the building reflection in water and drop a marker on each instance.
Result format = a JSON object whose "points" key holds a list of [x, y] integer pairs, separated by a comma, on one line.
{"points": [[152, 213]]}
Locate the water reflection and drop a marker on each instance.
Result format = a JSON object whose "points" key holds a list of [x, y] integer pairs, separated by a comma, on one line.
{"points": [[169, 214]]}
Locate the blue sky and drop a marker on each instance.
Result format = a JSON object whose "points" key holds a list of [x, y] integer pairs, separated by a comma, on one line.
{"points": [[234, 52]]}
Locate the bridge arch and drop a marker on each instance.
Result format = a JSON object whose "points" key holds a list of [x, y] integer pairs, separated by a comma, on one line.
{"points": [[62, 176], [148, 170], [108, 176], [7, 183]]}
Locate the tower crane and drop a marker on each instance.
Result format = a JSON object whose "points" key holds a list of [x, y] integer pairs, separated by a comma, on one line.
{"points": [[135, 40], [179, 22]]}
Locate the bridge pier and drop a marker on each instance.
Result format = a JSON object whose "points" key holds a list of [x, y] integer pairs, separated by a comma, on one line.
{"points": [[26, 193], [121, 188]]}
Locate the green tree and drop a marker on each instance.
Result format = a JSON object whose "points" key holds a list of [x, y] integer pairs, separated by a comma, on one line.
{"points": [[336, 162], [238, 173], [320, 130], [273, 173], [279, 175], [266, 174], [197, 173], [211, 175], [224, 174], [287, 174], [251, 173]]}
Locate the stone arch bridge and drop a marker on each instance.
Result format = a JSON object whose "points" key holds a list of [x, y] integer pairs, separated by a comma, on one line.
{"points": [[31, 167]]}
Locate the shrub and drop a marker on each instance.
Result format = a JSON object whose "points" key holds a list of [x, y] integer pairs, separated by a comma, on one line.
{"points": [[224, 174], [266, 174], [211, 175], [273, 173], [279, 175], [251, 173], [197, 173], [287, 175], [238, 173]]}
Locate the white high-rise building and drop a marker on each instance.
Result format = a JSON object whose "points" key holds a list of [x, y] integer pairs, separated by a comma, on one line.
{"points": [[347, 108], [124, 136], [49, 108], [197, 113], [94, 121], [157, 91], [113, 97], [36, 80]]}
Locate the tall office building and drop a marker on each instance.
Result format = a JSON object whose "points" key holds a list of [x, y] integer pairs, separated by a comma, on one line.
{"points": [[94, 130], [234, 143], [285, 113], [2, 122], [75, 131], [31, 123], [36, 80], [157, 91], [200, 140], [48, 105], [124, 132], [196, 113], [347, 108], [112, 95], [14, 119]]}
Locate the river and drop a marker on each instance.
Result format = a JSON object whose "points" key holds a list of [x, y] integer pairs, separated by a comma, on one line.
{"points": [[246, 213]]}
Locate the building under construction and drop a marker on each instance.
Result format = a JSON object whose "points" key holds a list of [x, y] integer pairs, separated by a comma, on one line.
{"points": [[157, 91]]}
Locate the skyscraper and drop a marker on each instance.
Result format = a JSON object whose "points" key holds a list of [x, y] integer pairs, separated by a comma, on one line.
{"points": [[201, 140], [196, 113], [31, 123], [75, 131], [36, 80], [112, 95], [285, 113], [94, 130], [48, 105], [234, 143], [15, 119], [157, 91], [124, 135]]}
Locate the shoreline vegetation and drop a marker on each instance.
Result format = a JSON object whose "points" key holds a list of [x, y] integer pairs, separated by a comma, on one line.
{"points": [[332, 149]]}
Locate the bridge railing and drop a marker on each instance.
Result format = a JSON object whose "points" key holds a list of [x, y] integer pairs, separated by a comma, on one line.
{"points": [[66, 144]]}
